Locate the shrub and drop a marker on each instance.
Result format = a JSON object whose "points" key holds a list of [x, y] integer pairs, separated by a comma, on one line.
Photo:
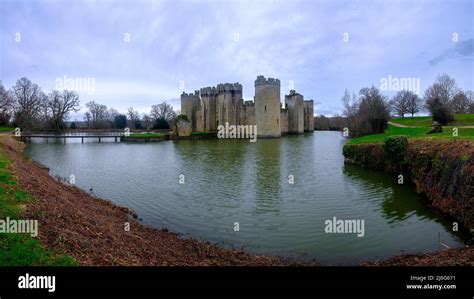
{"points": [[437, 128], [120, 121], [161, 123], [182, 117], [440, 111], [395, 151]]}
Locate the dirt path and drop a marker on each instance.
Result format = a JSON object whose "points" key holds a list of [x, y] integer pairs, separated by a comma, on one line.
{"points": [[399, 125], [405, 126]]}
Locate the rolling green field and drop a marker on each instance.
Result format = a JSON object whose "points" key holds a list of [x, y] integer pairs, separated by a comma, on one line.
{"points": [[21, 249], [426, 121], [421, 132]]}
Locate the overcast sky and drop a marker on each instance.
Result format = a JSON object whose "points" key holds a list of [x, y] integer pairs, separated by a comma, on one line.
{"points": [[139, 53]]}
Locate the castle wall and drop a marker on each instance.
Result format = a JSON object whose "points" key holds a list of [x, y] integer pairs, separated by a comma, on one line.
{"points": [[183, 128], [209, 100], [228, 104], [309, 116], [267, 107], [248, 115], [294, 102], [199, 120], [189, 105], [284, 121]]}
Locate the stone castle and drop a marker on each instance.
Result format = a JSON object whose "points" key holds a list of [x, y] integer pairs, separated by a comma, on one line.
{"points": [[213, 106]]}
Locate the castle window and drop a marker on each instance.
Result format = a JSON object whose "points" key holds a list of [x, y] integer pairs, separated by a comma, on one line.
{"points": [[265, 108], [277, 121]]}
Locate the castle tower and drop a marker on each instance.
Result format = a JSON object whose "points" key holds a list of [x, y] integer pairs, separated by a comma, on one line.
{"points": [[267, 107], [309, 116], [294, 101], [228, 103], [190, 104], [209, 102]]}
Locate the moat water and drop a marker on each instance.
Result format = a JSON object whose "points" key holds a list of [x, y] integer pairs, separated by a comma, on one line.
{"points": [[229, 181]]}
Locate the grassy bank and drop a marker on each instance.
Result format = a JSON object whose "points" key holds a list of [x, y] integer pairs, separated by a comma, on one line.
{"points": [[441, 169], [21, 249], [416, 133], [147, 135], [426, 121]]}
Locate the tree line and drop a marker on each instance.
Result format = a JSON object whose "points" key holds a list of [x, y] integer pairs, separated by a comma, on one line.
{"points": [[370, 112], [26, 106]]}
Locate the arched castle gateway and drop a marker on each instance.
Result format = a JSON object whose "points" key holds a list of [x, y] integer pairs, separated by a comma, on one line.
{"points": [[213, 106]]}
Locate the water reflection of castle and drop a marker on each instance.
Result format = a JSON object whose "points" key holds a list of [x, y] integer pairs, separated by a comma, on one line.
{"points": [[213, 106]]}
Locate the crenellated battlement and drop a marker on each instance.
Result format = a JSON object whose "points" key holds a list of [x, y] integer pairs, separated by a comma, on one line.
{"points": [[195, 94], [262, 81], [223, 87], [209, 90], [292, 94], [229, 87]]}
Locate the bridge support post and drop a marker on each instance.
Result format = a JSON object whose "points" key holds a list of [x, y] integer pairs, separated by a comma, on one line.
{"points": [[82, 139], [115, 138], [99, 139]]}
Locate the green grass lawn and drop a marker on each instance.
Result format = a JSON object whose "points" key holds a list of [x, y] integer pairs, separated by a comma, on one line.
{"points": [[21, 249], [463, 120], [147, 135], [6, 129], [463, 133], [426, 121]]}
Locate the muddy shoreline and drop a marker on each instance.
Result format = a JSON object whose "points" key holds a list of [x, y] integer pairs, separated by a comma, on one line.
{"points": [[93, 230]]}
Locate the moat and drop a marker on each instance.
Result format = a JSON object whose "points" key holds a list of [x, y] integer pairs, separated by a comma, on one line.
{"points": [[202, 188]]}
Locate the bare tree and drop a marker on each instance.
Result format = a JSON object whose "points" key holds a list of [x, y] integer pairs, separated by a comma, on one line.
{"points": [[438, 98], [400, 102], [349, 103], [369, 114], [164, 111], [6, 105], [460, 103], [88, 118], [147, 122], [470, 96], [28, 99], [443, 89], [415, 104], [111, 114], [60, 104], [98, 113], [133, 117]]}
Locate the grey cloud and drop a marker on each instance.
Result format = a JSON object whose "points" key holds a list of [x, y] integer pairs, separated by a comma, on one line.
{"points": [[463, 50]]}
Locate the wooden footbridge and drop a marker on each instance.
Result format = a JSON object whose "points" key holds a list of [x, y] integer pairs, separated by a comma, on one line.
{"points": [[99, 137]]}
